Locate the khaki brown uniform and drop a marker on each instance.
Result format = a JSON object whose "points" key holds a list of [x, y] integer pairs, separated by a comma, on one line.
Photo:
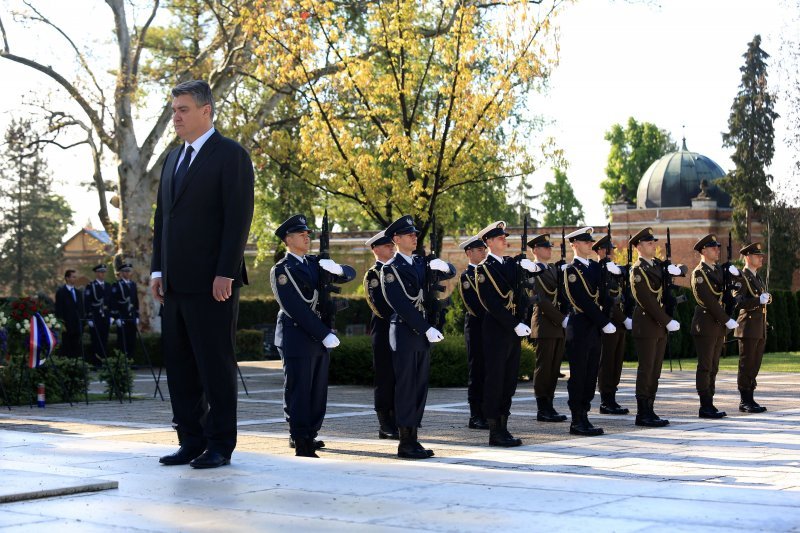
{"points": [[708, 325], [612, 350], [751, 330], [649, 325], [547, 333]]}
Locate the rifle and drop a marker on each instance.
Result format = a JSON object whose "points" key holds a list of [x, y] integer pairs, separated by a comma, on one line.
{"points": [[627, 293], [563, 301], [670, 301], [729, 301], [606, 303], [431, 302], [327, 304]]}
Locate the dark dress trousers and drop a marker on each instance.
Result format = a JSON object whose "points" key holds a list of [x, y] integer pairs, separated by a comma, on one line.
{"points": [[69, 309], [708, 325], [612, 346], [751, 330], [379, 332], [96, 299], [200, 232], [473, 337], [125, 307], [298, 337], [547, 332], [501, 345], [586, 319], [402, 285]]}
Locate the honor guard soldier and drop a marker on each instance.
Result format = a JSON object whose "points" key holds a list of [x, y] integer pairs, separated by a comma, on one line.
{"points": [[124, 305], [475, 250], [547, 331], [96, 298], [303, 340], [410, 332], [710, 322], [383, 249], [612, 346], [751, 329], [502, 331], [583, 283], [650, 323]]}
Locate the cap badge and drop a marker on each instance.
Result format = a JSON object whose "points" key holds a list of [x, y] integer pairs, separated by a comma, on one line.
{"points": [[650, 231], [409, 221], [302, 220]]}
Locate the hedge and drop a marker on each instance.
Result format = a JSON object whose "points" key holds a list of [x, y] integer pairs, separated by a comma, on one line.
{"points": [[351, 362]]}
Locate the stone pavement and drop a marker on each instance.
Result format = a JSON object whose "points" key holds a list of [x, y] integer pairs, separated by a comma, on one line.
{"points": [[96, 467]]}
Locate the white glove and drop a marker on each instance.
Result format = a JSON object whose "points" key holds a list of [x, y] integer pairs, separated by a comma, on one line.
{"points": [[433, 334], [441, 266], [91, 324], [673, 325], [110, 320], [522, 330], [733, 270], [764, 298], [564, 267], [331, 266], [119, 322], [565, 322], [529, 265], [609, 328], [614, 269], [731, 324], [137, 321], [674, 270], [331, 340], [629, 324]]}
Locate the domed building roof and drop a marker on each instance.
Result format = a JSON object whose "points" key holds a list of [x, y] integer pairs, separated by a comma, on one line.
{"points": [[674, 180]]}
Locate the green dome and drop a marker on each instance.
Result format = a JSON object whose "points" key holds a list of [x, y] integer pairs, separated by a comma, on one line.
{"points": [[674, 180]]}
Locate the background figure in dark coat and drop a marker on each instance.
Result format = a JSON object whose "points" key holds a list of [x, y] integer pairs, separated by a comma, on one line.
{"points": [[203, 213], [475, 250], [96, 297], [69, 309], [587, 320], [383, 249], [303, 340], [410, 332], [125, 310]]}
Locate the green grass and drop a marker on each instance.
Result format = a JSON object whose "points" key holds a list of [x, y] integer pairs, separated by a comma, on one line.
{"points": [[773, 362]]}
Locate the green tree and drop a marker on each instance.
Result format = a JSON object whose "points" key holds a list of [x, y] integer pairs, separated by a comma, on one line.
{"points": [[751, 133], [634, 148], [560, 205], [33, 218]]}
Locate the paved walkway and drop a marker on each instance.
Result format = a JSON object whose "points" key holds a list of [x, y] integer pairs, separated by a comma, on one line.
{"points": [[98, 465]]}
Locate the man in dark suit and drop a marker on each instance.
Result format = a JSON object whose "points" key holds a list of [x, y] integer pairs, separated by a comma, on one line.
{"points": [[383, 249], [69, 309], [96, 300], [203, 213], [587, 319], [303, 339]]}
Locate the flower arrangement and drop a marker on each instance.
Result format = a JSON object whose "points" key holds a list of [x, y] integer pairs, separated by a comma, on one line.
{"points": [[15, 322]]}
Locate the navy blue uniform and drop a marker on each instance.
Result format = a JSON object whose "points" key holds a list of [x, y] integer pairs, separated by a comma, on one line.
{"points": [[402, 285], [501, 345], [586, 319], [473, 337], [298, 337], [96, 298], [379, 331], [124, 306]]}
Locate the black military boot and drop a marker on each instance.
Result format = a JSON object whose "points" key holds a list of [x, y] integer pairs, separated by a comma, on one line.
{"points": [[581, 426], [318, 444], [498, 436], [546, 413], [409, 448], [386, 429], [504, 425], [609, 405], [646, 417], [707, 409], [748, 404], [419, 446], [304, 447], [661, 421], [476, 419]]}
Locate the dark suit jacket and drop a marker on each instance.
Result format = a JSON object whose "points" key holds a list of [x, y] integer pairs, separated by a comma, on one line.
{"points": [[68, 310], [495, 289], [582, 283], [547, 319], [201, 232]]}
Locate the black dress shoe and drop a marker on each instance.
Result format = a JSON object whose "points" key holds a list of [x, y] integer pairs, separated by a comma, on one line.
{"points": [[210, 459], [317, 443], [183, 456]]}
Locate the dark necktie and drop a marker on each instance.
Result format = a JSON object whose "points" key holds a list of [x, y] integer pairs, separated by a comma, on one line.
{"points": [[72, 292], [177, 179]]}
